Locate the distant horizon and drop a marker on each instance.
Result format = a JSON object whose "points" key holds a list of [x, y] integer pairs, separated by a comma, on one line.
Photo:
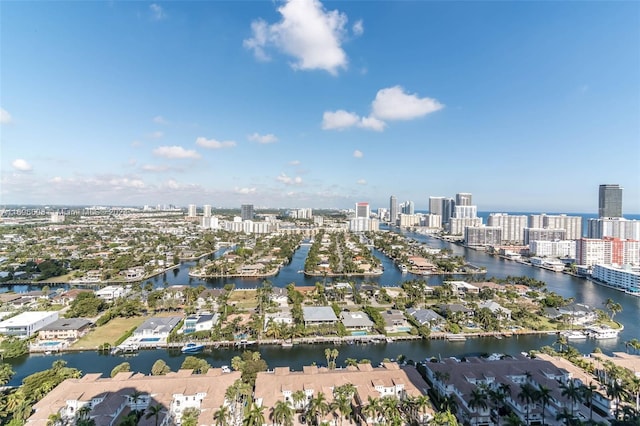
{"points": [[258, 208]]}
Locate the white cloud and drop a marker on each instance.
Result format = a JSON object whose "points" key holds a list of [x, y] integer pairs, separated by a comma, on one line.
{"points": [[358, 28], [372, 123], [157, 12], [307, 32], [358, 154], [287, 180], [155, 168], [214, 144], [136, 144], [294, 163], [244, 190], [361, 182], [175, 152], [156, 135], [158, 119], [5, 117], [339, 120], [394, 104], [21, 165], [264, 139]]}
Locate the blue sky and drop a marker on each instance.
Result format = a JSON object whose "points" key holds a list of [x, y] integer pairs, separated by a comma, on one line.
{"points": [[527, 105]]}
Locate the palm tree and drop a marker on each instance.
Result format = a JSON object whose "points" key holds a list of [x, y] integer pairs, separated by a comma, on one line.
{"points": [[372, 409], [253, 415], [54, 419], [526, 395], [282, 414], [298, 397], [222, 416], [497, 396], [587, 395], [478, 399], [351, 362], [572, 392], [154, 411], [318, 407], [633, 388], [334, 356], [134, 397], [543, 395], [615, 391], [342, 403]]}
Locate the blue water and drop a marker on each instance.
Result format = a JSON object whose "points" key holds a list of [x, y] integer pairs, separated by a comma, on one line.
{"points": [[150, 339]]}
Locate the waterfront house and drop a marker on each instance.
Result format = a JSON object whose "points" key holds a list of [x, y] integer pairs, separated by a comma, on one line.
{"points": [[27, 324], [112, 292], [208, 298], [395, 321], [69, 329], [317, 315], [199, 322], [356, 321], [156, 328], [282, 316], [462, 288], [426, 317], [496, 309], [447, 309]]}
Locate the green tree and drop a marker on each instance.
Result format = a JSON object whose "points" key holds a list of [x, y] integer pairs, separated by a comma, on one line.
{"points": [[122, 367], [222, 416], [190, 417], [154, 411], [253, 416], [282, 414], [199, 366], [160, 368]]}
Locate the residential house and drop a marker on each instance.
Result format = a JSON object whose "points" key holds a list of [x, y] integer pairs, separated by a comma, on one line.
{"points": [[496, 309], [112, 292], [426, 317], [317, 315], [199, 322], [395, 321], [69, 329], [27, 324], [356, 321]]}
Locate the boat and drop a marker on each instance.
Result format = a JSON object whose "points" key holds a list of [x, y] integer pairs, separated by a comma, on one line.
{"points": [[403, 269], [192, 348], [601, 333], [286, 344], [575, 335]]}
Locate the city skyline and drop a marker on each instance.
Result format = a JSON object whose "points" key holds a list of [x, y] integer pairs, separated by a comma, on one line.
{"points": [[218, 103]]}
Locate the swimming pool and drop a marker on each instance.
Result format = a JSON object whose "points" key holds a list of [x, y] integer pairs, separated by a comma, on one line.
{"points": [[359, 333], [50, 344], [150, 339]]}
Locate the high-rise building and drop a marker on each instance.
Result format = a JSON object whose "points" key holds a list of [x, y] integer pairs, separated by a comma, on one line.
{"points": [[363, 210], [463, 199], [610, 201], [407, 207], [512, 226], [393, 209], [206, 210], [192, 210], [448, 208], [435, 205], [246, 212]]}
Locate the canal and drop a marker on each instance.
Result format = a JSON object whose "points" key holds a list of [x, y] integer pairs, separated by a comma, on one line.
{"points": [[581, 290]]}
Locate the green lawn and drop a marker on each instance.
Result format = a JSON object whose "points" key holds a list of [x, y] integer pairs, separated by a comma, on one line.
{"points": [[110, 332]]}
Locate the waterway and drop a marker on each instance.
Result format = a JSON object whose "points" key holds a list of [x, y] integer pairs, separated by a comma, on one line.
{"points": [[581, 290]]}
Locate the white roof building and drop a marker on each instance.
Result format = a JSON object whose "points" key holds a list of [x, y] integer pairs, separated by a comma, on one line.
{"points": [[27, 323]]}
